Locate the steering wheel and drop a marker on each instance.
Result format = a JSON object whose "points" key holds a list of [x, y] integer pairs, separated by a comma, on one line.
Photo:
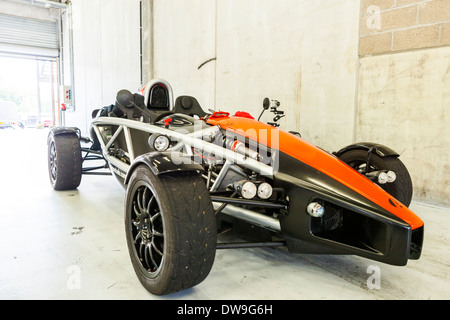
{"points": [[162, 116]]}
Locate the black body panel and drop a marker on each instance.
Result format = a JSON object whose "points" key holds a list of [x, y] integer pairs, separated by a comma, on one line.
{"points": [[354, 225], [64, 130], [379, 149], [165, 162]]}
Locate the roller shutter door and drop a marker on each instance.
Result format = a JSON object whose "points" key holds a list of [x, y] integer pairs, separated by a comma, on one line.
{"points": [[27, 36]]}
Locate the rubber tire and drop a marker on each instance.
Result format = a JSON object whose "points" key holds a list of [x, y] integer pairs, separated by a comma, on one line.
{"points": [[189, 225], [402, 188], [68, 161]]}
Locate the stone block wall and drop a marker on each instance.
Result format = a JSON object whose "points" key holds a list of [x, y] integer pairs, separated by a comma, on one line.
{"points": [[400, 25]]}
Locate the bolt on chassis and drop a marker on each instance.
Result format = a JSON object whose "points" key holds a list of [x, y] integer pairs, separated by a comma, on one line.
{"points": [[190, 175]]}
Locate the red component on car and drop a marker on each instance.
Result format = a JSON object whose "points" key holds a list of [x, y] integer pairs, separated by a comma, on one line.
{"points": [[235, 144], [243, 114], [167, 122], [219, 115]]}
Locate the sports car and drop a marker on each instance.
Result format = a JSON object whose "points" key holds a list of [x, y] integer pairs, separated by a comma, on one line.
{"points": [[190, 175]]}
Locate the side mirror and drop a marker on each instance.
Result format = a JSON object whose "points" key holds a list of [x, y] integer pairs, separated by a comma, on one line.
{"points": [[125, 98]]}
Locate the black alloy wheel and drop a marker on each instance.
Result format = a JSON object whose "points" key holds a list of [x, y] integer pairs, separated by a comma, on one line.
{"points": [[147, 230], [53, 160], [170, 229]]}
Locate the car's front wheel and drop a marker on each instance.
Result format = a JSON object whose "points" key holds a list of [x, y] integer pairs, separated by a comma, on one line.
{"points": [[170, 230], [401, 188]]}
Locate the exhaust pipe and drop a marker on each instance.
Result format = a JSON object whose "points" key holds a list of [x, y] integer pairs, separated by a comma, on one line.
{"points": [[249, 216]]}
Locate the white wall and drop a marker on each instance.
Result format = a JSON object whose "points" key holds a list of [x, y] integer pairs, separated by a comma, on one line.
{"points": [[404, 102], [106, 37], [302, 53], [184, 37]]}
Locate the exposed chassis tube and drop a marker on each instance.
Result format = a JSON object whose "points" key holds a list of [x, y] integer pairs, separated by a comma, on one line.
{"points": [[96, 156], [249, 216], [187, 142], [191, 140]]}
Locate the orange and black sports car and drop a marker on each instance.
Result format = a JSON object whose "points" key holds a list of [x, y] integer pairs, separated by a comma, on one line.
{"points": [[190, 175]]}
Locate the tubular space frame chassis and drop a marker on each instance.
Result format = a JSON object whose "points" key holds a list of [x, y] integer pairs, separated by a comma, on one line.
{"points": [[199, 140]]}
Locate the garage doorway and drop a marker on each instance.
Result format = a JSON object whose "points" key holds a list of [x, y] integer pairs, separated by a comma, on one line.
{"points": [[28, 92], [31, 58]]}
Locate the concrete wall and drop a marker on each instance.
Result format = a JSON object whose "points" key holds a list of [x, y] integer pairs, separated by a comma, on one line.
{"points": [[404, 87], [184, 37], [404, 102], [302, 53], [344, 71], [106, 36]]}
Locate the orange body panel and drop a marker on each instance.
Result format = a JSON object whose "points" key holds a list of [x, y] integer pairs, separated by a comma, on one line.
{"points": [[320, 160]]}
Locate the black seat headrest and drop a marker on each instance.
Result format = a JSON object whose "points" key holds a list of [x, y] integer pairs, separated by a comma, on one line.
{"points": [[158, 98], [189, 106]]}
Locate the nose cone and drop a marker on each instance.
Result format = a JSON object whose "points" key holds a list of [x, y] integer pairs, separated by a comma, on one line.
{"points": [[323, 169], [359, 217]]}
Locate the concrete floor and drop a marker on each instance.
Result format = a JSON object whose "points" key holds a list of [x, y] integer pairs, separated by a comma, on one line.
{"points": [[71, 245]]}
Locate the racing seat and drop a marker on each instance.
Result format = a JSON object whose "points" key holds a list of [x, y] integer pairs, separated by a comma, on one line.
{"points": [[158, 95], [150, 105], [158, 101], [189, 106]]}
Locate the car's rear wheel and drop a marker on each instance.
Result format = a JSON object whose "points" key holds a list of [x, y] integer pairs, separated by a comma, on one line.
{"points": [[170, 230], [64, 161], [401, 189]]}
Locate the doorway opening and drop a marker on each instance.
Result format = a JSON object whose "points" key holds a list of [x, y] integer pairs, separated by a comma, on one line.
{"points": [[28, 92]]}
